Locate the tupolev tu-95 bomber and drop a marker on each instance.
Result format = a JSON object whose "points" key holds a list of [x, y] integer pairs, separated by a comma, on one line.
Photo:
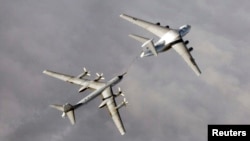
{"points": [[169, 38], [99, 88]]}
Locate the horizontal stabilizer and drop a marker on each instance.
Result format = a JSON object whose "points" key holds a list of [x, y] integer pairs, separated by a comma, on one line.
{"points": [[68, 110], [58, 107], [138, 38]]}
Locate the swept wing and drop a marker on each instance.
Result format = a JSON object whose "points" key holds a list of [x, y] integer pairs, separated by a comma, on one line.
{"points": [[182, 50], [113, 110], [151, 27], [63, 77], [85, 83]]}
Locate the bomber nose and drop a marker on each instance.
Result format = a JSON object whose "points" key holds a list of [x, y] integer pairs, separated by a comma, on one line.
{"points": [[121, 76]]}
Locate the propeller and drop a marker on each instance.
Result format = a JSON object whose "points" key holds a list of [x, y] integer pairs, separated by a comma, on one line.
{"points": [[119, 92], [85, 72], [99, 76], [125, 101], [122, 94]]}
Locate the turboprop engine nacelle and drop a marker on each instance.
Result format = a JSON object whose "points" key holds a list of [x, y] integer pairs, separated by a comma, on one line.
{"points": [[103, 103], [85, 73], [99, 77], [124, 103], [83, 88]]}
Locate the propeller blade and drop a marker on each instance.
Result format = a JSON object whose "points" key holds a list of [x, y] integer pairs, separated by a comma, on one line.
{"points": [[99, 76], [86, 71], [125, 101]]}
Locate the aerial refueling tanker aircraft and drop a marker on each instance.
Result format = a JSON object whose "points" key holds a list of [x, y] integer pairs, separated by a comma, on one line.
{"points": [[169, 38], [100, 88]]}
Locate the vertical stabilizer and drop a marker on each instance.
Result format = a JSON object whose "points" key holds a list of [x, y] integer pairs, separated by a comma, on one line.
{"points": [[147, 43], [71, 116], [67, 109]]}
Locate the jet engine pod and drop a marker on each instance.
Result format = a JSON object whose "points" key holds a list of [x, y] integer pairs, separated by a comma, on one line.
{"points": [[190, 49], [186, 42]]}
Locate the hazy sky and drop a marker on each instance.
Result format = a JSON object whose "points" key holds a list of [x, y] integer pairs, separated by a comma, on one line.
{"points": [[167, 101]]}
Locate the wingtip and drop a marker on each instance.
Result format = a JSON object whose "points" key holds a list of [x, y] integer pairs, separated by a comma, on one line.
{"points": [[122, 133], [53, 105], [45, 71], [122, 15], [132, 35], [198, 73]]}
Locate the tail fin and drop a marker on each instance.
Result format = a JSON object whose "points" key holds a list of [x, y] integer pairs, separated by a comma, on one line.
{"points": [[147, 43], [67, 109]]}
